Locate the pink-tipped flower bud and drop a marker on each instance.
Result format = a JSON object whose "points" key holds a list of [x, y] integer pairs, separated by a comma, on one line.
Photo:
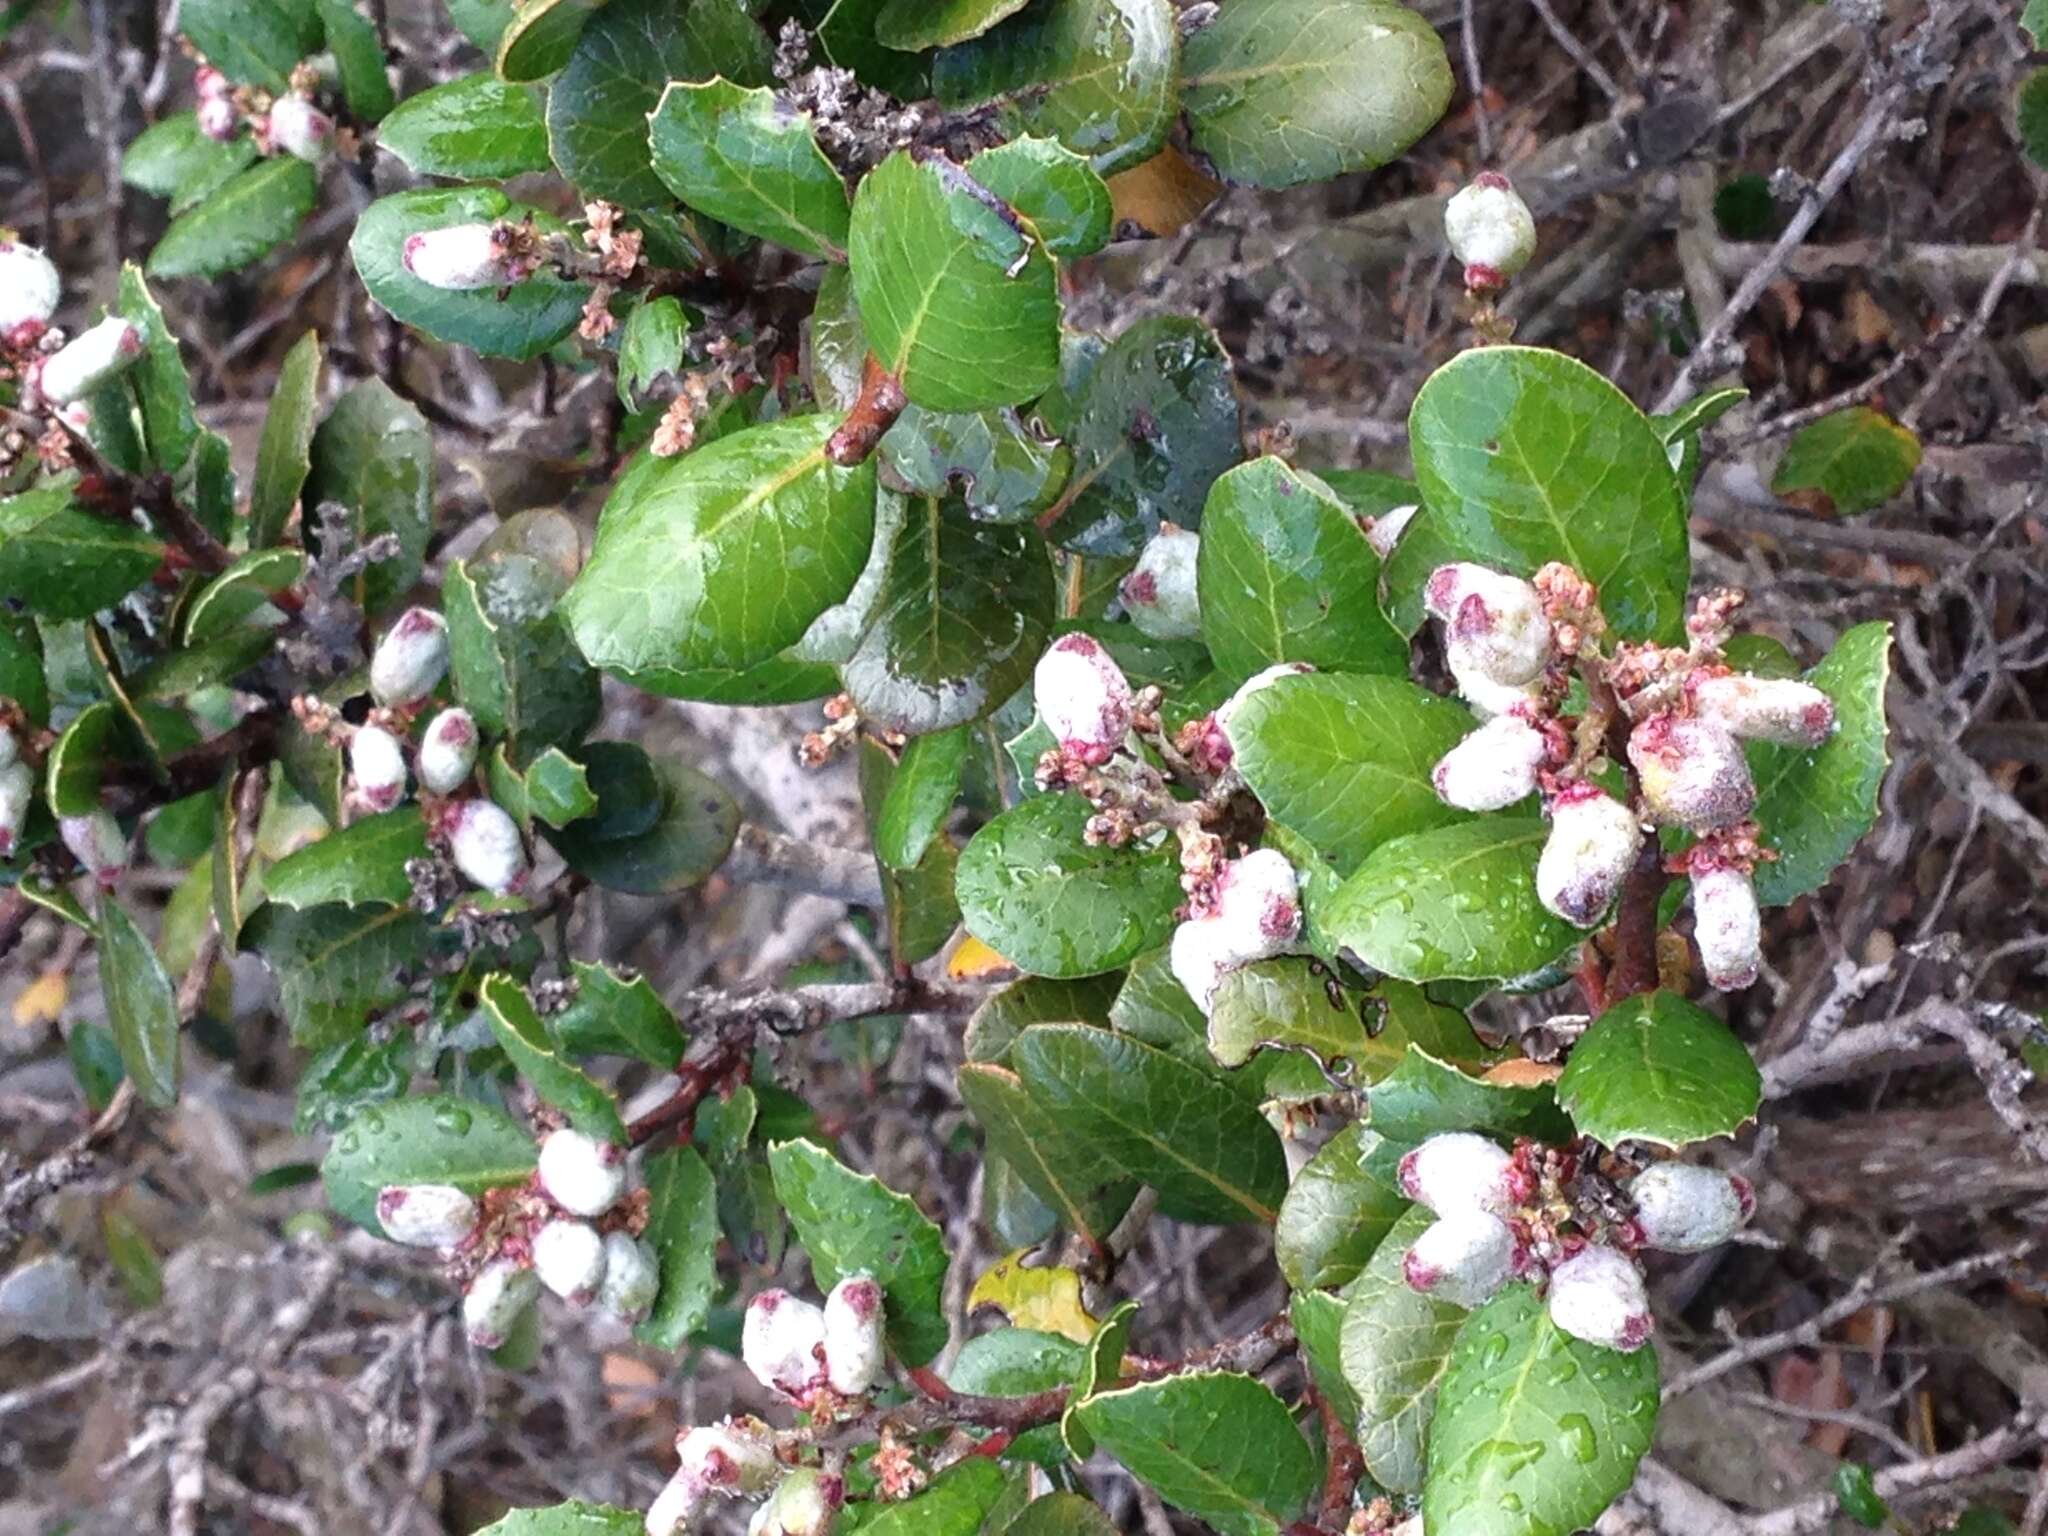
{"points": [[448, 751], [1083, 697], [1692, 771], [1509, 599], [30, 289], [581, 1174], [501, 1291], [1493, 767], [1490, 230], [1728, 928], [1258, 906], [1684, 1208], [219, 118], [805, 1503], [1597, 1295], [484, 842], [569, 1258], [425, 1215], [97, 842], [1593, 843], [301, 129], [376, 762], [1258, 682], [1199, 959], [1776, 709], [91, 359], [1160, 593], [411, 659], [1487, 697], [1385, 531], [853, 1336], [1463, 1258], [730, 1458], [208, 82], [1459, 1171], [632, 1277], [676, 1508], [17, 791], [463, 257], [782, 1341], [1506, 646]]}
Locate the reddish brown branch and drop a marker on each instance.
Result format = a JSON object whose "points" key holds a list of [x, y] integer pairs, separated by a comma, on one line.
{"points": [[875, 409]]}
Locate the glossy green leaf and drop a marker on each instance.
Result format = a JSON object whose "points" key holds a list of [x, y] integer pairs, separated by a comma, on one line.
{"points": [[1318, 1319], [336, 965], [960, 302], [921, 796], [513, 662], [1456, 902], [1396, 1346], [1285, 1003], [1849, 462], [241, 220], [744, 158], [689, 826], [1426, 1095], [1337, 1211], [158, 377], [1060, 1514], [473, 127], [1154, 1007], [851, 1223], [540, 1062], [363, 862], [1857, 1492], [345, 1079], [1285, 91], [1657, 1068], [1535, 1431], [993, 1026], [252, 42], [1055, 190], [172, 159], [284, 452], [140, 1004], [915, 25], [541, 38], [957, 1502], [435, 1140], [237, 600], [574, 1518], [919, 908], [1088, 1191], [65, 563], [358, 50], [617, 1013], [374, 455], [997, 466], [1036, 893], [650, 346]]}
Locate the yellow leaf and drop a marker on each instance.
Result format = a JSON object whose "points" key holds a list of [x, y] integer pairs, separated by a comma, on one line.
{"points": [[42, 1000], [1519, 1072], [1048, 1300], [975, 961], [1163, 194]]}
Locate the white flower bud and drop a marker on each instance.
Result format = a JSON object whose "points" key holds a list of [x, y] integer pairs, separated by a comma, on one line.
{"points": [[781, 1341], [1387, 528], [1083, 697], [1776, 709], [219, 118], [1493, 767], [1258, 906], [1597, 1295], [853, 1336], [1494, 623], [1463, 1258], [17, 791], [1258, 682], [1684, 1208], [727, 1458], [632, 1277], [1460, 1171], [485, 844], [376, 763], [1728, 927], [448, 751], [411, 659], [301, 129], [805, 1503], [1487, 697], [97, 842], [1160, 593], [581, 1174], [1199, 959], [461, 257], [1593, 843], [104, 352], [209, 83], [425, 1215], [30, 289], [1692, 772], [676, 1507], [1490, 230], [569, 1258], [501, 1290]]}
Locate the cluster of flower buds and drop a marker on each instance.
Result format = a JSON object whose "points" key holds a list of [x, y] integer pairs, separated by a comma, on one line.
{"points": [[1083, 698], [297, 127], [1250, 910], [815, 1355], [462, 257], [29, 291], [1160, 593], [1490, 230], [220, 118], [17, 789]]}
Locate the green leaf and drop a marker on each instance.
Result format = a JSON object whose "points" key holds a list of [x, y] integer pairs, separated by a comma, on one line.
{"points": [[364, 862], [682, 1228], [359, 59], [435, 1140], [1102, 1367], [21, 660], [1337, 1211], [374, 455], [541, 38], [336, 965], [616, 1013], [233, 899], [1657, 1068], [78, 761], [1286, 575], [1396, 1345], [1001, 469], [574, 1518], [1847, 463], [476, 127], [2030, 106], [915, 25], [1535, 1431], [850, 1224], [1344, 761], [1036, 893], [1681, 428], [845, 35], [2035, 20], [1037, 1000], [514, 664], [65, 563], [556, 788], [1860, 1501], [1815, 803], [650, 346], [1286, 1003], [1318, 1319], [1202, 1145], [140, 1005], [1157, 424], [239, 221], [1088, 1191], [920, 797], [960, 302], [540, 1063], [252, 42], [173, 159], [236, 602], [692, 565], [746, 159], [1280, 92], [1060, 1514], [1221, 1447], [961, 619], [1425, 1095], [1525, 456], [284, 453], [1056, 191], [956, 1503], [158, 377], [343, 1080], [598, 108], [1458, 902], [1098, 75], [690, 822]]}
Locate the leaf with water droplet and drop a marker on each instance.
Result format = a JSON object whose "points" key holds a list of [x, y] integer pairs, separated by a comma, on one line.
{"points": [[433, 1140]]}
